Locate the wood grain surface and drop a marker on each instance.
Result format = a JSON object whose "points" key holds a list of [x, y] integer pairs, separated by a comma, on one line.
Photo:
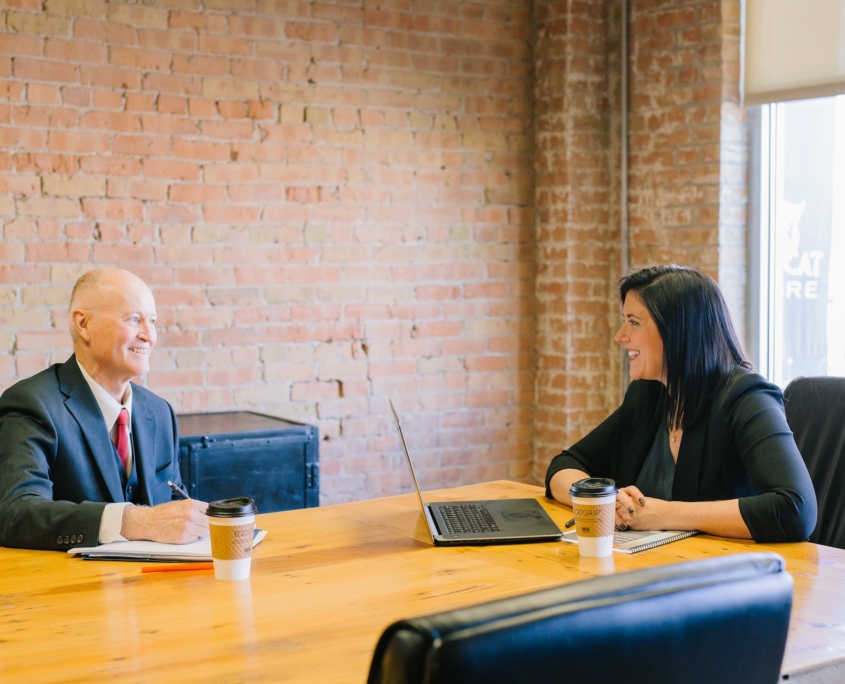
{"points": [[325, 583]]}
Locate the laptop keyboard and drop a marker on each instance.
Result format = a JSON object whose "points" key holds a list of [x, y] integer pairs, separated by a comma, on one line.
{"points": [[468, 518]]}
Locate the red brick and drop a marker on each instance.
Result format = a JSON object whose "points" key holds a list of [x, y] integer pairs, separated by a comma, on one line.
{"points": [[123, 122], [74, 141], [200, 64], [142, 145], [225, 45], [171, 41], [57, 251], [112, 209], [42, 340], [21, 44], [200, 107], [177, 170], [137, 189], [190, 149], [175, 378], [109, 77], [58, 207], [301, 391], [168, 125], [317, 32], [108, 166], [224, 213], [173, 213], [198, 21], [197, 193], [45, 70]]}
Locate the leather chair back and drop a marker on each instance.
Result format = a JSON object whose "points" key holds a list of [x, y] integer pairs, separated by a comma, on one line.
{"points": [[815, 411], [716, 620]]}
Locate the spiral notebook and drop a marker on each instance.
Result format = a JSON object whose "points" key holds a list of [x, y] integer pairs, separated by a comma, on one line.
{"points": [[198, 551], [634, 541]]}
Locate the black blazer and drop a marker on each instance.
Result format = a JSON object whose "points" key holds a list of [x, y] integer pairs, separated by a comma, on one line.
{"points": [[741, 449], [58, 468]]}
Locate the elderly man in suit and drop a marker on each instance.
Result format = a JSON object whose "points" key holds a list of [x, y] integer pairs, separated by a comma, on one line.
{"points": [[85, 454]]}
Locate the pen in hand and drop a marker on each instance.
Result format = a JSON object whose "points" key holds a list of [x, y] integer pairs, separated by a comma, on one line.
{"points": [[176, 488]]}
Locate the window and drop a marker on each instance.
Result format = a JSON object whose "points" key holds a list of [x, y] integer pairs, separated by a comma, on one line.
{"points": [[797, 239]]}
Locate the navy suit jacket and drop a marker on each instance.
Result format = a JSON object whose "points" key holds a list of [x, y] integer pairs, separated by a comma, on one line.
{"points": [[58, 467]]}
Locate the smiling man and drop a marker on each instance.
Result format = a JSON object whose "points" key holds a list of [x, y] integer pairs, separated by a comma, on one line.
{"points": [[85, 454]]}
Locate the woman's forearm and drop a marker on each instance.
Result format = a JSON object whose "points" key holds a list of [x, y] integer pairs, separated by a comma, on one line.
{"points": [[561, 482], [721, 518]]}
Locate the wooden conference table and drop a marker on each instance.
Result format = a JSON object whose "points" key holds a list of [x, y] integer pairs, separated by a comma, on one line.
{"points": [[325, 583]]}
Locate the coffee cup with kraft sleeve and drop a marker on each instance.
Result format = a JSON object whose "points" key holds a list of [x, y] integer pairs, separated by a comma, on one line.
{"points": [[231, 523], [594, 509]]}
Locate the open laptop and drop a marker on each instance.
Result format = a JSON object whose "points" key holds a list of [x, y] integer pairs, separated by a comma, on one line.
{"points": [[494, 521]]}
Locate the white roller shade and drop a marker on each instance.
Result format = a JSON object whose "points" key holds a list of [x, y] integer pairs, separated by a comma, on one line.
{"points": [[794, 49]]}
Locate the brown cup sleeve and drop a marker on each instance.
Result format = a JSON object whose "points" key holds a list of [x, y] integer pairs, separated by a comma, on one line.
{"points": [[594, 520], [231, 543]]}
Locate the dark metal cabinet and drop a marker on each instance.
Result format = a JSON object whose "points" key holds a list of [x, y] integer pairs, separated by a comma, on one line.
{"points": [[241, 453]]}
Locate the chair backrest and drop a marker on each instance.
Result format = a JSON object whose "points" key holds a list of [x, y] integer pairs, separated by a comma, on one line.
{"points": [[815, 411], [716, 620]]}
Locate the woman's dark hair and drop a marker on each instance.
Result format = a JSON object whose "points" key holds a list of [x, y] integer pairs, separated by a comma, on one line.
{"points": [[700, 347]]}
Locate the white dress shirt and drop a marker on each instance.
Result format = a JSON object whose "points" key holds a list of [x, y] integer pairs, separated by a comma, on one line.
{"points": [[112, 519]]}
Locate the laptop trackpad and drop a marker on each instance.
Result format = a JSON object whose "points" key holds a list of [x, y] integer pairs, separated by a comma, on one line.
{"points": [[522, 516]]}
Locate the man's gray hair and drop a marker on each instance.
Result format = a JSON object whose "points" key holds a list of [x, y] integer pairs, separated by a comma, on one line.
{"points": [[87, 281]]}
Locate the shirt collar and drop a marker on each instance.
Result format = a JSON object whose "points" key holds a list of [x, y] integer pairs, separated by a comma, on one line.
{"points": [[109, 406]]}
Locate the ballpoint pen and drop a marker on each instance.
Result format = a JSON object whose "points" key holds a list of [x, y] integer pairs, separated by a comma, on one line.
{"points": [[176, 488], [569, 523]]}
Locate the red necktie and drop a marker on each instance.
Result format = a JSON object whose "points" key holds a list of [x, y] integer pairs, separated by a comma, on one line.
{"points": [[121, 438]]}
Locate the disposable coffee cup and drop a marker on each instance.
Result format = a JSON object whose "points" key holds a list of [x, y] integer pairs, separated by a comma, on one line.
{"points": [[231, 523], [594, 509]]}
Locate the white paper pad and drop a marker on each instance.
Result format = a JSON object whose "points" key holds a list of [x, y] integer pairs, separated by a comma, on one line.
{"points": [[199, 550]]}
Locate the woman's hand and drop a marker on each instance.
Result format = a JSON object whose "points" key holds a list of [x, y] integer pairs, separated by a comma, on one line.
{"points": [[637, 512]]}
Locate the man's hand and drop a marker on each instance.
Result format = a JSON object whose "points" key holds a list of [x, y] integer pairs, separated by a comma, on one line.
{"points": [[176, 522]]}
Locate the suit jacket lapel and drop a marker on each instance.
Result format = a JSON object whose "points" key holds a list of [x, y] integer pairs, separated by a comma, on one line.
{"points": [[144, 432], [82, 405]]}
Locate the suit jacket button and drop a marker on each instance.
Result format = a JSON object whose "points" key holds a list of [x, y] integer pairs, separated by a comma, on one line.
{"points": [[79, 538], [73, 539], [59, 540], [129, 490], [67, 539]]}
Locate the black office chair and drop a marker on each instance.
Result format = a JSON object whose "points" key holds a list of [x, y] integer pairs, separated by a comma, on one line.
{"points": [[716, 620], [815, 411]]}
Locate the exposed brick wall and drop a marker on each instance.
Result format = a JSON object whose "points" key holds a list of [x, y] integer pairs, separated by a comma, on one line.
{"points": [[331, 200], [687, 191], [577, 237], [334, 204], [688, 141]]}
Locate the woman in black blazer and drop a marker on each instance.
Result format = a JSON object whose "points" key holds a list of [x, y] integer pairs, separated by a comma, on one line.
{"points": [[700, 441]]}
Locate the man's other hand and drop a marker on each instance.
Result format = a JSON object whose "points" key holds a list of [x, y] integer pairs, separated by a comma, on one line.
{"points": [[176, 522]]}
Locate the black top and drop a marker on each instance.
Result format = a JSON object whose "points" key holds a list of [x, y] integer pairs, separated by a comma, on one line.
{"points": [[658, 473], [741, 448]]}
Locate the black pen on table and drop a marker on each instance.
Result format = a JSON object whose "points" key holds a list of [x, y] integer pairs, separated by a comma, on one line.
{"points": [[176, 488], [569, 523]]}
